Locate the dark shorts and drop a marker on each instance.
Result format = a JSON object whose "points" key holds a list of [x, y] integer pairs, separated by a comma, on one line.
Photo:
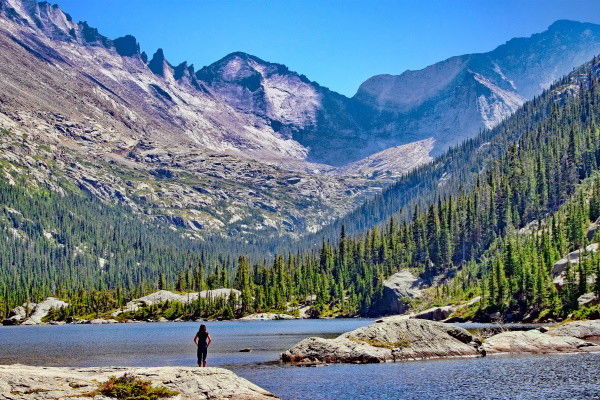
{"points": [[202, 351]]}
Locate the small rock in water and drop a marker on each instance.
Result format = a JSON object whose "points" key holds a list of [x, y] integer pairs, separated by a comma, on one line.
{"points": [[245, 350]]}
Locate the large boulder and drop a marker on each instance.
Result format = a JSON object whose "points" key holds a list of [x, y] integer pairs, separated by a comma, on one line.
{"points": [[397, 289], [587, 330], [392, 339], [560, 267], [536, 342], [221, 292], [588, 299], [42, 383]]}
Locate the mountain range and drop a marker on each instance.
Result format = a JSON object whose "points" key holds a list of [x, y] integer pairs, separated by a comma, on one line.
{"points": [[242, 147]]}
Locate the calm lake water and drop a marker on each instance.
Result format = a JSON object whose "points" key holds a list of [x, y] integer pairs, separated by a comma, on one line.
{"points": [[155, 344]]}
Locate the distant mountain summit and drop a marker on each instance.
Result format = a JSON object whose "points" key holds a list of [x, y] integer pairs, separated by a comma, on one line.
{"points": [[251, 85], [452, 100], [326, 123]]}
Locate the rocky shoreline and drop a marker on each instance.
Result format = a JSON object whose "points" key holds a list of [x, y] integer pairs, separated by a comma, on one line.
{"points": [[37, 383], [405, 339]]}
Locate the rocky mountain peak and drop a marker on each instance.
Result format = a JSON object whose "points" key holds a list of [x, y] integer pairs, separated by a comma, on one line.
{"points": [[287, 101], [567, 24], [239, 68], [44, 16], [476, 91], [127, 46], [244, 69], [158, 64], [91, 35]]}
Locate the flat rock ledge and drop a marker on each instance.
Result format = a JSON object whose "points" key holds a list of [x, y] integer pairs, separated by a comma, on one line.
{"points": [[392, 339], [572, 337], [37, 383], [587, 330], [536, 342]]}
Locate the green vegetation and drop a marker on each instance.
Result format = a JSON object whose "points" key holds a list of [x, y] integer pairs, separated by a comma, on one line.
{"points": [[128, 387]]}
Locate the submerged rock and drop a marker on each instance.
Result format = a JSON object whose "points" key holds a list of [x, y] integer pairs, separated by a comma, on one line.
{"points": [[37, 383], [392, 339]]}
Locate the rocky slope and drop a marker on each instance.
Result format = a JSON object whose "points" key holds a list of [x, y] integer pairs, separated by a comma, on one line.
{"points": [[398, 290], [456, 98], [80, 110], [37, 383], [33, 313]]}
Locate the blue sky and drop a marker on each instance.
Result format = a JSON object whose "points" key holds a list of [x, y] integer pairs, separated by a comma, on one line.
{"points": [[336, 43]]}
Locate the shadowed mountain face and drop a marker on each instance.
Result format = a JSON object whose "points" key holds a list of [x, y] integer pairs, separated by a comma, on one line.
{"points": [[242, 147]]}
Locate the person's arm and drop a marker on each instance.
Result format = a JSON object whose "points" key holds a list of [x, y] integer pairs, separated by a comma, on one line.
{"points": [[196, 339], [208, 340]]}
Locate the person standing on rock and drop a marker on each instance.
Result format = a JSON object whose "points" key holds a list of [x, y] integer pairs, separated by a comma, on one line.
{"points": [[202, 340]]}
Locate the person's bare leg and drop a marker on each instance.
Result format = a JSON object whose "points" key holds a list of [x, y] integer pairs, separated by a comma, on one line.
{"points": [[204, 363]]}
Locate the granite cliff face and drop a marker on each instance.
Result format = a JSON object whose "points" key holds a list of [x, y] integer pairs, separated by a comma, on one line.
{"points": [[242, 147]]}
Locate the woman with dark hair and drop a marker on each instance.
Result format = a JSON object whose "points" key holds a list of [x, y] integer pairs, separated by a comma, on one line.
{"points": [[202, 340]]}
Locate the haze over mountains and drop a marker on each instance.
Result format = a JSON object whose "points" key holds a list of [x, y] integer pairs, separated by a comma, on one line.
{"points": [[242, 146]]}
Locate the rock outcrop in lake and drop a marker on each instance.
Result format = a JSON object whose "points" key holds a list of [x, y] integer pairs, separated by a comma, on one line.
{"points": [[536, 342], [37, 383], [392, 339], [588, 330], [404, 338]]}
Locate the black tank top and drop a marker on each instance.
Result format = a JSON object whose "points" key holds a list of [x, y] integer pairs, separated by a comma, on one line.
{"points": [[202, 337]]}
